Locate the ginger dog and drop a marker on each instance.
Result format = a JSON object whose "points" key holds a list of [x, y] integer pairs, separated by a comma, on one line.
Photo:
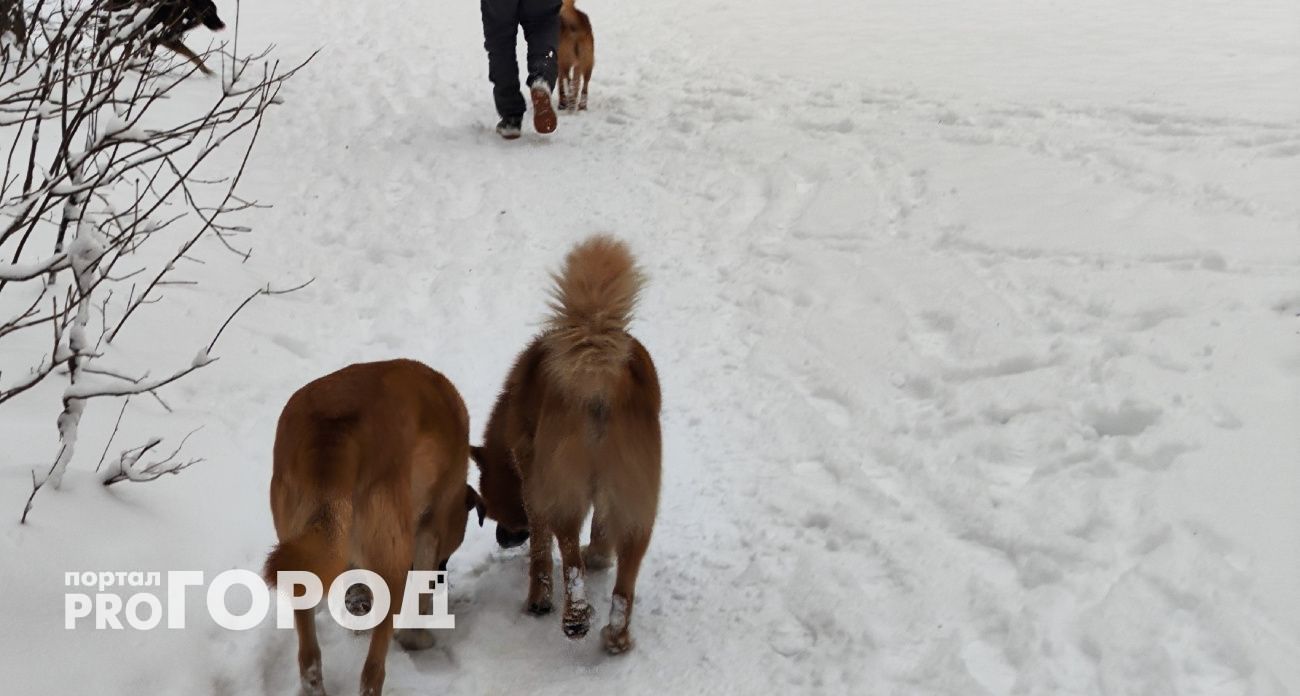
{"points": [[577, 426], [576, 54], [370, 469]]}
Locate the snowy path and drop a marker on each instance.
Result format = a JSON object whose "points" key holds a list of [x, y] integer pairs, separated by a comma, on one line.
{"points": [[964, 395]]}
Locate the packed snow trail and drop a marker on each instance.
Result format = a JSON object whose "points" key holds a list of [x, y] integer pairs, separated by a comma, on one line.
{"points": [[969, 389]]}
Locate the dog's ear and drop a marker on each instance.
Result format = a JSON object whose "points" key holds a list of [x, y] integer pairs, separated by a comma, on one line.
{"points": [[476, 453], [473, 501]]}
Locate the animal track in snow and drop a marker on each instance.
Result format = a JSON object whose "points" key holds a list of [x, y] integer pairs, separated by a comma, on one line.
{"points": [[1126, 419], [833, 407]]}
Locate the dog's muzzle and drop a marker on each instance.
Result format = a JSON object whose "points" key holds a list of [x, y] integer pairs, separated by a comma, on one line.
{"points": [[508, 539]]}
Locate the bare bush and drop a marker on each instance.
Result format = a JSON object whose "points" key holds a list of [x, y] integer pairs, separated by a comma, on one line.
{"points": [[105, 165]]}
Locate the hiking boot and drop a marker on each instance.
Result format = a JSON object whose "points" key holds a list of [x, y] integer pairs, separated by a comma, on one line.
{"points": [[543, 115], [510, 126]]}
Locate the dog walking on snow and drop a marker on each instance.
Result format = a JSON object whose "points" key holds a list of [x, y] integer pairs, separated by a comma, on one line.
{"points": [[577, 56], [577, 427]]}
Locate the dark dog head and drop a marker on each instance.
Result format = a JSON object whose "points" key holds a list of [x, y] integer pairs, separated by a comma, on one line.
{"points": [[508, 539], [502, 495], [179, 16], [205, 12], [172, 18]]}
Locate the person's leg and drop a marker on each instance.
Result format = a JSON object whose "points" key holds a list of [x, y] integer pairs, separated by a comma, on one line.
{"points": [[500, 27], [541, 22]]}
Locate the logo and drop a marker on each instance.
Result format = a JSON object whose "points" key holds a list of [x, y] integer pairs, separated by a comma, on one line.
{"points": [[144, 608]]}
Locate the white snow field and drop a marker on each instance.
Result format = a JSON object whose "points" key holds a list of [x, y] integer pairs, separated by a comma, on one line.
{"points": [[978, 326]]}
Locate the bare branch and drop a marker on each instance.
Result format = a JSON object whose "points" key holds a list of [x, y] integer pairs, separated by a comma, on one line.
{"points": [[111, 436], [127, 467], [92, 180], [263, 291]]}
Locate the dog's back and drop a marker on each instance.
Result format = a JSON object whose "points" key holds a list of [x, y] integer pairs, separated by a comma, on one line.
{"points": [[576, 54], [394, 431]]}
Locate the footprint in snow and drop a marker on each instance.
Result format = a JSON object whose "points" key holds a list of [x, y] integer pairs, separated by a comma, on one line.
{"points": [[833, 407], [1126, 419], [791, 638], [296, 346]]}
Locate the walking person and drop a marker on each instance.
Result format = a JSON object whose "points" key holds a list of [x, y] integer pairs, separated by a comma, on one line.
{"points": [[540, 20]]}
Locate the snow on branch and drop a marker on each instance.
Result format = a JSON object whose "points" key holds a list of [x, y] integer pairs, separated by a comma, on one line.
{"points": [[95, 180], [127, 467], [28, 271], [130, 467]]}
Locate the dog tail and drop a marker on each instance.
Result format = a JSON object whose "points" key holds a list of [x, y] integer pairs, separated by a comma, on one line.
{"points": [[586, 339], [320, 549]]}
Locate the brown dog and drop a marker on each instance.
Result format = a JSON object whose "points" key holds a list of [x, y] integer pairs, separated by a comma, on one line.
{"points": [[576, 54], [370, 469], [577, 425]]}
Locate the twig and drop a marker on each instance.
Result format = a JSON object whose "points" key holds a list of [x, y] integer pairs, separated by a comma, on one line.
{"points": [[262, 291], [113, 434]]}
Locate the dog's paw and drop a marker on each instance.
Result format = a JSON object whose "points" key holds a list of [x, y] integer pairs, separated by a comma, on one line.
{"points": [[617, 641], [596, 560], [541, 607], [577, 620], [313, 683], [413, 639]]}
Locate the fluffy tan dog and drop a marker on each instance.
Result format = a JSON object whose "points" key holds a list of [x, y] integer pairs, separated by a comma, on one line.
{"points": [[577, 427]]}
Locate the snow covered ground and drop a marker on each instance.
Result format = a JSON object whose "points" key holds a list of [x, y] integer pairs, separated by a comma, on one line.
{"points": [[978, 326]]}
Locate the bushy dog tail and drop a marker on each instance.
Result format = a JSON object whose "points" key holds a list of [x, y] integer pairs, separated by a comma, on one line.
{"points": [[586, 340], [320, 549]]}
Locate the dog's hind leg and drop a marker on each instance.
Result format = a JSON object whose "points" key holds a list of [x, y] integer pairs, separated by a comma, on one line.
{"points": [[577, 611], [618, 639], [373, 673], [309, 669], [587, 63], [565, 86], [597, 554], [424, 558], [540, 567], [586, 82], [383, 535]]}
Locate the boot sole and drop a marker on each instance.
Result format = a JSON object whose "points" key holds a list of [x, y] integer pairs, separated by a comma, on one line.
{"points": [[544, 119]]}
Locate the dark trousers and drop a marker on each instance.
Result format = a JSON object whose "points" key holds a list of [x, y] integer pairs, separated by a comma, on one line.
{"points": [[501, 21]]}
